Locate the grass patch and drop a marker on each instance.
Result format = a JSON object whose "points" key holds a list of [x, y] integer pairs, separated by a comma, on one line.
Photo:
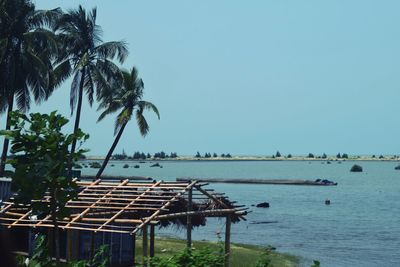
{"points": [[242, 254]]}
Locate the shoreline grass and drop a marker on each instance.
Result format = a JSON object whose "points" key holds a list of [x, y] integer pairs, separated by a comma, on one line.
{"points": [[242, 254]]}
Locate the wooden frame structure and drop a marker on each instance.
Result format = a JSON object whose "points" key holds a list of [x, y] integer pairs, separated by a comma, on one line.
{"points": [[127, 207]]}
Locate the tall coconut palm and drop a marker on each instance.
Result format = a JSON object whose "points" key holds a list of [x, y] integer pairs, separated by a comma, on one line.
{"points": [[86, 57], [125, 97], [27, 48]]}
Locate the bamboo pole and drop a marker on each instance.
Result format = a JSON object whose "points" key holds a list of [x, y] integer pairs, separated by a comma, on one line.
{"points": [[202, 212], [163, 207], [215, 199], [127, 206], [88, 209]]}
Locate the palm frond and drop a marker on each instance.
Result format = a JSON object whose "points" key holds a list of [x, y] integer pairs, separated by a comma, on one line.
{"points": [[148, 106], [110, 50], [89, 87], [61, 72], [46, 17], [142, 123], [23, 99]]}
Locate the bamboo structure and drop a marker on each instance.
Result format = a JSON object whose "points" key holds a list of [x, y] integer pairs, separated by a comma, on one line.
{"points": [[126, 207]]}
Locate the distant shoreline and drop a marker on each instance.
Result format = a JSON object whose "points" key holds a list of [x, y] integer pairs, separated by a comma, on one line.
{"points": [[255, 158]]}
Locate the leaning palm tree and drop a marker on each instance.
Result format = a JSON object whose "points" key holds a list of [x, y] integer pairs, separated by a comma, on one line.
{"points": [[125, 97], [86, 57], [27, 49]]}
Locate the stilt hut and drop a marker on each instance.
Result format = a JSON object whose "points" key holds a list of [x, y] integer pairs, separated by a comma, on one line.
{"points": [[116, 212]]}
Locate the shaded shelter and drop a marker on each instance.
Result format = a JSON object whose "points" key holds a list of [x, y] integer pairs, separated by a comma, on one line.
{"points": [[105, 209]]}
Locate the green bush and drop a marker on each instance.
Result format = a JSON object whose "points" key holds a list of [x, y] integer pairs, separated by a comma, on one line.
{"points": [[193, 258]]}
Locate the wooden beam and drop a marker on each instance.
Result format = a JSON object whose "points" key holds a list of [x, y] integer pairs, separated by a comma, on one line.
{"points": [[128, 205], [104, 196], [221, 212], [228, 240], [21, 218], [215, 199], [145, 222]]}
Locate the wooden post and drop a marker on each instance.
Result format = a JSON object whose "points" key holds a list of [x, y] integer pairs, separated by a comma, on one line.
{"points": [[134, 249], [227, 240], [152, 230], [189, 221], [144, 258], [50, 242], [70, 246], [92, 246]]}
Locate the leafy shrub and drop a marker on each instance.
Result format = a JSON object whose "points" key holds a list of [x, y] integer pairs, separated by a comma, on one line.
{"points": [[264, 260], [193, 258]]}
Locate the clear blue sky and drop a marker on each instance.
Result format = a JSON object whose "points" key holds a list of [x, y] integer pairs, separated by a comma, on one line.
{"points": [[254, 77]]}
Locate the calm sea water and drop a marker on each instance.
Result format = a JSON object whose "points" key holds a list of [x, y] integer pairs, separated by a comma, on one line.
{"points": [[360, 228]]}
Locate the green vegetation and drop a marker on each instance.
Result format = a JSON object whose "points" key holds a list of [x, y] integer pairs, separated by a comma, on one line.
{"points": [[27, 49], [85, 56], [41, 257], [242, 255], [40, 160]]}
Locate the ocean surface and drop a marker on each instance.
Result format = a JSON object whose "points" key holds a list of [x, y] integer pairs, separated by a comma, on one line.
{"points": [[361, 227]]}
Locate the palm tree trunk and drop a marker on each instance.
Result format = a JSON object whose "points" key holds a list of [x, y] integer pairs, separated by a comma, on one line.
{"points": [[77, 119], [111, 151], [6, 141]]}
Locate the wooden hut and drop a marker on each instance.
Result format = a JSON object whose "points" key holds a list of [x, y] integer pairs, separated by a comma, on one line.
{"points": [[115, 212]]}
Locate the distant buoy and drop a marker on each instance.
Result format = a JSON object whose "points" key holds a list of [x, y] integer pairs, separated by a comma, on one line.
{"points": [[327, 202]]}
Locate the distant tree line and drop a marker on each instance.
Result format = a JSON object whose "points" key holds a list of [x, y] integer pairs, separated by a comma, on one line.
{"points": [[214, 155], [311, 155], [142, 156]]}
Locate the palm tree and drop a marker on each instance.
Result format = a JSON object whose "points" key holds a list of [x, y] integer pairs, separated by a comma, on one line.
{"points": [[27, 49], [86, 57], [126, 97]]}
